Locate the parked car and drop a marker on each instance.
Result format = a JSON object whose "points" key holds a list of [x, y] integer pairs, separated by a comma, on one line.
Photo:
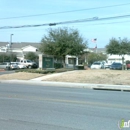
{"points": [[13, 66], [21, 66], [28, 63], [5, 65], [107, 65], [97, 65], [116, 66], [128, 66]]}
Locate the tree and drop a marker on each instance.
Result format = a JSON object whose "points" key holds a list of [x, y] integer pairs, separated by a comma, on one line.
{"points": [[6, 57], [92, 57], [118, 47], [31, 56], [61, 42]]}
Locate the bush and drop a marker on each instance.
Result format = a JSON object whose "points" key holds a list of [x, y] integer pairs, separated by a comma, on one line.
{"points": [[80, 67], [127, 62], [58, 65], [43, 71]]}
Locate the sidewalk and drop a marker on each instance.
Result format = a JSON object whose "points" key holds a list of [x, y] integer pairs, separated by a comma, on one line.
{"points": [[72, 85], [38, 81], [51, 75]]}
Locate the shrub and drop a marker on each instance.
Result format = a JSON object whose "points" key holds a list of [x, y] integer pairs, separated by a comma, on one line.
{"points": [[127, 62], [43, 71], [80, 67], [58, 65]]}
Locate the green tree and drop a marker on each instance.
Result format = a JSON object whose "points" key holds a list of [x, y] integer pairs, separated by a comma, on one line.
{"points": [[62, 41], [92, 57], [13, 57], [31, 56], [6, 57], [118, 47]]}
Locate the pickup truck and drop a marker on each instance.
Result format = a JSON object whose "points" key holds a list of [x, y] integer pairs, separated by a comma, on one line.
{"points": [[28, 63]]}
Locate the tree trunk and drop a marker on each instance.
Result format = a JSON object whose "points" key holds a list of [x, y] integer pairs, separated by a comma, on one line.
{"points": [[122, 62], [64, 66]]}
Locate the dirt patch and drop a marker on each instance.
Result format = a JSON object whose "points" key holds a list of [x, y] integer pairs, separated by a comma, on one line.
{"points": [[117, 77], [95, 76], [20, 76]]}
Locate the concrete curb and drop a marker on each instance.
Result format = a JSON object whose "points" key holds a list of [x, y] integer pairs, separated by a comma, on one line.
{"points": [[72, 85]]}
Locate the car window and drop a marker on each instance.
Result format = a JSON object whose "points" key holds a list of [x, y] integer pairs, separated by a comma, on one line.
{"points": [[116, 64], [96, 63], [28, 61]]}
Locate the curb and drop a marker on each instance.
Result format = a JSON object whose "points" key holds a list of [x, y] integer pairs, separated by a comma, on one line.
{"points": [[71, 85]]}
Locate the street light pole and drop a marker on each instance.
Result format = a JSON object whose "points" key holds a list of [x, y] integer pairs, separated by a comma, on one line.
{"points": [[11, 39], [10, 46]]}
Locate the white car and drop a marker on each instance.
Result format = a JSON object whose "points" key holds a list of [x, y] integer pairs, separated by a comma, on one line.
{"points": [[13, 66], [97, 65], [107, 65], [21, 66]]}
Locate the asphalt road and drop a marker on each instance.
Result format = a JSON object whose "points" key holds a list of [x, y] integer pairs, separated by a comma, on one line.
{"points": [[7, 72], [31, 107]]}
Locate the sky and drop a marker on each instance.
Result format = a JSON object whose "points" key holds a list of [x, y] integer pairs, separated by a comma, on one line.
{"points": [[55, 11]]}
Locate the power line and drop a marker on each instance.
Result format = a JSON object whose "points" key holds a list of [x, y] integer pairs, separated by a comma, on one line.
{"points": [[68, 22], [82, 24], [35, 15], [106, 23]]}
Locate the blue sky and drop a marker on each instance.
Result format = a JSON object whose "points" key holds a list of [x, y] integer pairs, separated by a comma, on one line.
{"points": [[102, 30]]}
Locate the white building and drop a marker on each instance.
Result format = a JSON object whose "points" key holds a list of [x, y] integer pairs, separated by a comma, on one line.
{"points": [[117, 58], [110, 58], [20, 49]]}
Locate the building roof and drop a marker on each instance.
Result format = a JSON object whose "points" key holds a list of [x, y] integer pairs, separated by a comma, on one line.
{"points": [[98, 50], [20, 44]]}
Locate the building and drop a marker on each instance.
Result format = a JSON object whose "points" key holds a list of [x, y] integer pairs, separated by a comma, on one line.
{"points": [[110, 58], [117, 58], [20, 49]]}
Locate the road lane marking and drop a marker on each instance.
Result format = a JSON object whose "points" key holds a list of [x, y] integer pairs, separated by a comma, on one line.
{"points": [[39, 99]]}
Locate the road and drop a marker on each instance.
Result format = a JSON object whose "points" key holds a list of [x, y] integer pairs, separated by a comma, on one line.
{"points": [[7, 72], [31, 107]]}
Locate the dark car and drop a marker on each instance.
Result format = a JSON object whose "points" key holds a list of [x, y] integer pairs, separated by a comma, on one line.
{"points": [[116, 66]]}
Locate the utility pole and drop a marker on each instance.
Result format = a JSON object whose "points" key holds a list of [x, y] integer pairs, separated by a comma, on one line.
{"points": [[122, 55], [10, 44]]}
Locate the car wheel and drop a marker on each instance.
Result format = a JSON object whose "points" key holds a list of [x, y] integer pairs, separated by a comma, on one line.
{"points": [[29, 66]]}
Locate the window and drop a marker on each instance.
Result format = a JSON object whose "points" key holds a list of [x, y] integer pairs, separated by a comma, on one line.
{"points": [[28, 61], [3, 50], [71, 60]]}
